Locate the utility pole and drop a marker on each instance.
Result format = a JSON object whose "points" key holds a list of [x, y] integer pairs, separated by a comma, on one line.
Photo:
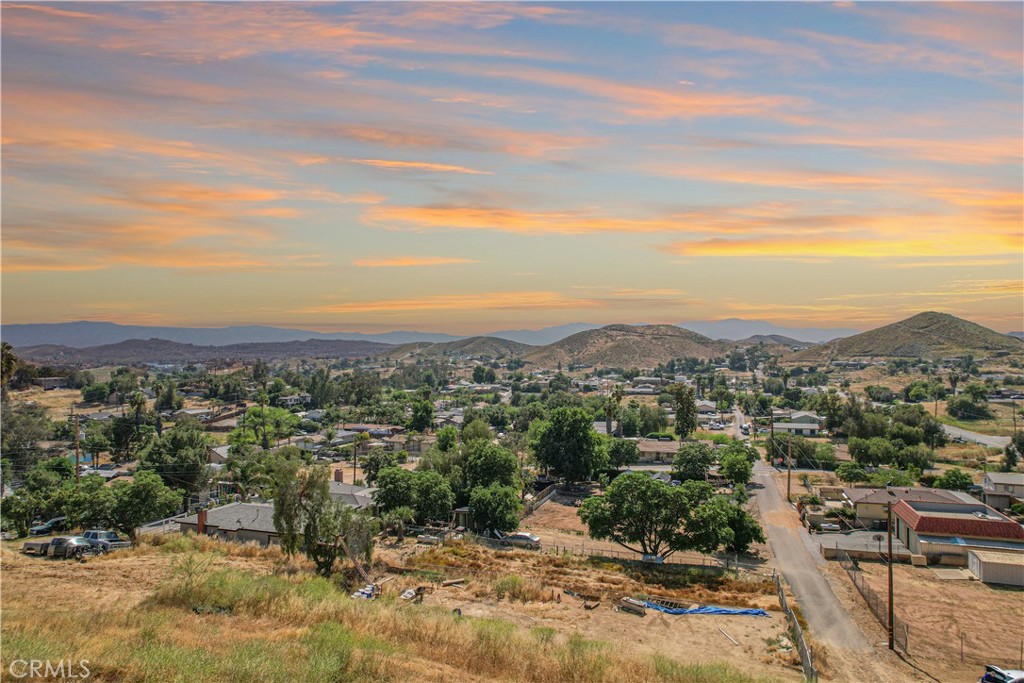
{"points": [[77, 473], [789, 468], [892, 613]]}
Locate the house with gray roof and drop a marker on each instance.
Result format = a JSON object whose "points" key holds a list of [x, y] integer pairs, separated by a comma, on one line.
{"points": [[235, 522]]}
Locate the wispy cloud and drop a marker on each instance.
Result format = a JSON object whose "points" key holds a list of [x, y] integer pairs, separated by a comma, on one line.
{"points": [[523, 300], [394, 165], [409, 261]]}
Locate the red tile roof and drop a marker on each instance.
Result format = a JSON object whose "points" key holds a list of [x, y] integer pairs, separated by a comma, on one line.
{"points": [[999, 527]]}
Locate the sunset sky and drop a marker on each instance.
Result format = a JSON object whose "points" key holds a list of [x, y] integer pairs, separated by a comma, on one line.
{"points": [[472, 167]]}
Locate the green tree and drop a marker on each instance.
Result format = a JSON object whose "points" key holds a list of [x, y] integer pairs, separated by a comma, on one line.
{"points": [[745, 529], [180, 456], [21, 427], [395, 489], [375, 461], [8, 363], [851, 472], [422, 416], [621, 452], [488, 463], [19, 510], [648, 516], [144, 499], [248, 474], [693, 461], [477, 430], [396, 519], [287, 511], [89, 504], [955, 480], [447, 438], [736, 467], [494, 507], [1012, 452], [568, 445], [432, 496], [686, 409]]}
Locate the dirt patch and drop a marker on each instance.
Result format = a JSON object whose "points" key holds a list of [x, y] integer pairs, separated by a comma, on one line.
{"points": [[558, 514], [763, 648], [939, 612]]}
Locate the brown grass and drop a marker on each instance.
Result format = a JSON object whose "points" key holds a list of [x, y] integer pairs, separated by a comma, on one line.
{"points": [[201, 609]]}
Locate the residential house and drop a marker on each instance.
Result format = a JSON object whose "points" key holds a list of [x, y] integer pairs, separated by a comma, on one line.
{"points": [[235, 522], [796, 428], [198, 413], [413, 445], [218, 454], [294, 400], [869, 504], [343, 437], [48, 383], [656, 450], [356, 497], [707, 408], [945, 532], [642, 389], [1002, 489]]}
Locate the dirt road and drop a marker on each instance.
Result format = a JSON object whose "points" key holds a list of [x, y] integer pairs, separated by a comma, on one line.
{"points": [[828, 621]]}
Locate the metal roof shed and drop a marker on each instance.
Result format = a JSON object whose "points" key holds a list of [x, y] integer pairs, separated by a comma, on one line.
{"points": [[997, 567]]}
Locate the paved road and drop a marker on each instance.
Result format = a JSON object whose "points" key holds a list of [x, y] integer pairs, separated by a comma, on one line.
{"points": [[975, 437], [798, 561]]}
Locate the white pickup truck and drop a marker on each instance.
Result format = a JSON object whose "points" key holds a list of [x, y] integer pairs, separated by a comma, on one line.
{"points": [[105, 540]]}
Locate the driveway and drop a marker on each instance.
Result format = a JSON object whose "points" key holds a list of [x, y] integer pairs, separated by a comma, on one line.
{"points": [[975, 437], [798, 559]]}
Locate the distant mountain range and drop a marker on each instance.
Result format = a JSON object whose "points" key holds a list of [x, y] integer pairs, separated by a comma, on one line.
{"points": [[84, 334], [163, 351], [737, 328], [927, 335]]}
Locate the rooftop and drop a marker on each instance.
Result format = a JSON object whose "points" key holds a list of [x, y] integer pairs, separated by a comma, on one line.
{"points": [[1013, 478], [881, 496], [953, 519], [235, 516]]}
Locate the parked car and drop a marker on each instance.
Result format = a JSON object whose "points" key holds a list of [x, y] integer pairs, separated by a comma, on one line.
{"points": [[105, 540], [60, 547], [522, 539], [52, 526], [993, 674]]}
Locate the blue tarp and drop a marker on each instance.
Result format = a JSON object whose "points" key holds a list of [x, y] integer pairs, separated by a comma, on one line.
{"points": [[706, 609]]}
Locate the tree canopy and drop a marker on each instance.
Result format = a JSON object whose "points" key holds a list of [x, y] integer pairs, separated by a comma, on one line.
{"points": [[568, 445], [649, 516]]}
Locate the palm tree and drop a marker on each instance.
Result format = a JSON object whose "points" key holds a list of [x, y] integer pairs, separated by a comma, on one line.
{"points": [[8, 362], [138, 403], [396, 519], [158, 391], [263, 418], [247, 475], [954, 380]]}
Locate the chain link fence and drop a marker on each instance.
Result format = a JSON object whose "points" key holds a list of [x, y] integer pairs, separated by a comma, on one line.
{"points": [[806, 659], [878, 604]]}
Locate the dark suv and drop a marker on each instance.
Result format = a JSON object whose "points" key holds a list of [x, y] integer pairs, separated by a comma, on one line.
{"points": [[55, 525]]}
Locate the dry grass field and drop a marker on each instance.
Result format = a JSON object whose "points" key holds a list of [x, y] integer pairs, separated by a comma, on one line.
{"points": [[197, 609]]}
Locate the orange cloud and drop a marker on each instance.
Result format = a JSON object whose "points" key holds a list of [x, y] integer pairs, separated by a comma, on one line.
{"points": [[408, 261], [418, 166], [650, 102], [894, 244], [457, 302]]}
